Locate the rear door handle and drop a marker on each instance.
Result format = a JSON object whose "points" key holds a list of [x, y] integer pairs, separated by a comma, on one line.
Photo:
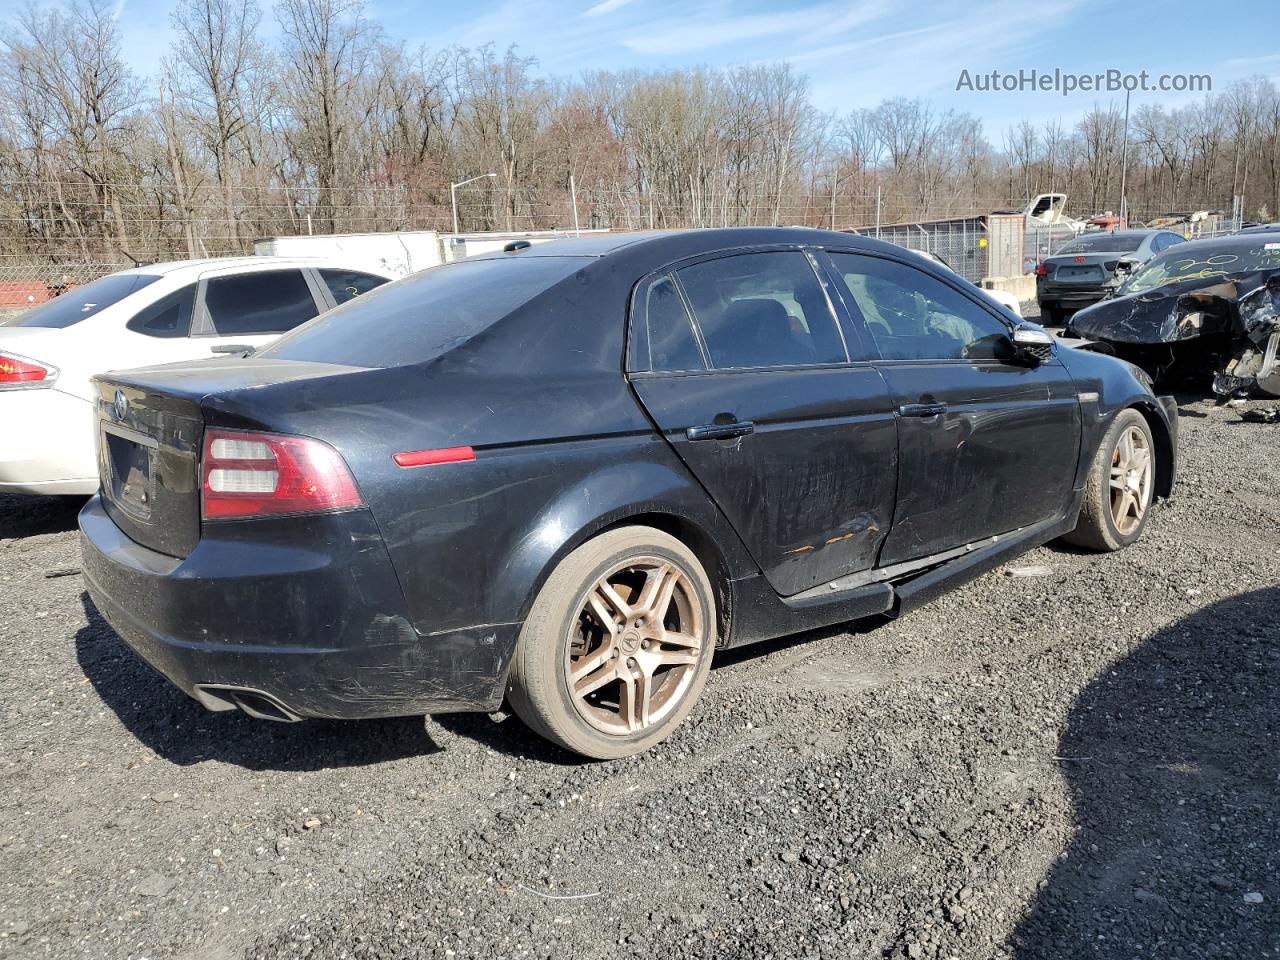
{"points": [[721, 431], [922, 409]]}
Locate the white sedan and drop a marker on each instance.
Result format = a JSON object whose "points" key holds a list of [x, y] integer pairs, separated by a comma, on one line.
{"points": [[165, 312]]}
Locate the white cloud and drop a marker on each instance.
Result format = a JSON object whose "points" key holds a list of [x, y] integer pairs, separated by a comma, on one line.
{"points": [[605, 6], [690, 34], [1253, 61]]}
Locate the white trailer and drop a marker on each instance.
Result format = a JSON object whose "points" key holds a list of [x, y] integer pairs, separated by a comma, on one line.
{"points": [[400, 253], [403, 252]]}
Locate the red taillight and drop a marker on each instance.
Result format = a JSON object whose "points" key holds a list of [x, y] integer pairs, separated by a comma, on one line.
{"points": [[247, 474], [1042, 270], [1079, 259], [20, 371]]}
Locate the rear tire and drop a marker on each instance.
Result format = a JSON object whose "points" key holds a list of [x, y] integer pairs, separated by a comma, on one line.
{"points": [[1120, 488], [617, 645], [1050, 316]]}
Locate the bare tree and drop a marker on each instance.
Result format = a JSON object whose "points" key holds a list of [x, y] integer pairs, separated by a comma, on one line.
{"points": [[329, 44]]}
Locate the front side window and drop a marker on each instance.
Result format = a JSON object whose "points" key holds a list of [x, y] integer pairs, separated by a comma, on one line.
{"points": [[913, 316], [348, 284], [271, 301], [762, 310], [168, 317]]}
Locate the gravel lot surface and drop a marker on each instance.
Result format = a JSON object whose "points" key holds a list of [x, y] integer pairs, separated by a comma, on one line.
{"points": [[1080, 762]]}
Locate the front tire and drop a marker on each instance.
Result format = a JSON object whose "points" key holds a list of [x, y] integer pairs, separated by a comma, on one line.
{"points": [[617, 645], [1121, 484]]}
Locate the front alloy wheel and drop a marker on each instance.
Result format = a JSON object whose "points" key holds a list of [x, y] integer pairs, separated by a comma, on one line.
{"points": [[617, 646], [1130, 479], [1120, 487]]}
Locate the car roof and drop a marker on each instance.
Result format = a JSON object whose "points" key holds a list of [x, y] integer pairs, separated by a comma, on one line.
{"points": [[1126, 234], [691, 241], [168, 267], [1233, 242]]}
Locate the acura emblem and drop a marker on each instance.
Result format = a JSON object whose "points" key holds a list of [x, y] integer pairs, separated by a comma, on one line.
{"points": [[121, 407]]}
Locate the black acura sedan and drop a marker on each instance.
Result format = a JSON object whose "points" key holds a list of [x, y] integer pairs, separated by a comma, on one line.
{"points": [[562, 476]]}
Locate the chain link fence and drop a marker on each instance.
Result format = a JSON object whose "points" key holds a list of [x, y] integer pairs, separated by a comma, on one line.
{"points": [[25, 285]]}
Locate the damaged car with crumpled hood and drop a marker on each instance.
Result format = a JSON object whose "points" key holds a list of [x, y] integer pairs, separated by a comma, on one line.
{"points": [[1204, 309]]}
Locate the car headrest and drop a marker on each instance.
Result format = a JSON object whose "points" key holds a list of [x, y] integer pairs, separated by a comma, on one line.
{"points": [[756, 319]]}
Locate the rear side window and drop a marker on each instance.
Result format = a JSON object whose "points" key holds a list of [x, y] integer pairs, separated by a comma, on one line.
{"points": [[424, 315], [348, 284], [81, 303], [169, 316], [672, 345], [271, 301], [762, 310]]}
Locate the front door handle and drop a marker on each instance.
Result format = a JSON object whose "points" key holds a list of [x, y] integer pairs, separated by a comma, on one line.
{"points": [[922, 409], [721, 431]]}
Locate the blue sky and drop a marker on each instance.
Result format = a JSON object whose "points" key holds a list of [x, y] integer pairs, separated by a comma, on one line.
{"points": [[855, 53]]}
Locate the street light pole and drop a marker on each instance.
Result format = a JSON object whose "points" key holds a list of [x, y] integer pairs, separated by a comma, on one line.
{"points": [[1124, 167], [453, 195]]}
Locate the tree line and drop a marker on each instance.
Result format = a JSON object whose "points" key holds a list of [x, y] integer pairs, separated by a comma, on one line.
{"points": [[338, 128]]}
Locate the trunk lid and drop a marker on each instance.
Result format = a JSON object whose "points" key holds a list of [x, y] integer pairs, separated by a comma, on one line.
{"points": [[149, 462], [1082, 267], [151, 424]]}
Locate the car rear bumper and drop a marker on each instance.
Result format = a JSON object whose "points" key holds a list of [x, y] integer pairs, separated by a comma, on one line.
{"points": [[1071, 295], [46, 443], [311, 623]]}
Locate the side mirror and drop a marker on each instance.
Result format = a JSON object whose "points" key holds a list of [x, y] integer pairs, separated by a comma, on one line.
{"points": [[1031, 345]]}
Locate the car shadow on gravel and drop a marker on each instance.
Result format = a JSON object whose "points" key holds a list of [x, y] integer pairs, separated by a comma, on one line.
{"points": [[1172, 762], [515, 739], [181, 731], [22, 516]]}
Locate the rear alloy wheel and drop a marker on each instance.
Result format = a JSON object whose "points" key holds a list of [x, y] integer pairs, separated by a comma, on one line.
{"points": [[1120, 487], [617, 646]]}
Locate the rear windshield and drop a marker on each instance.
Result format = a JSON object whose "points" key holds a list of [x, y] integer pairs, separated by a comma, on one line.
{"points": [[1103, 243], [1206, 263], [81, 303], [424, 315]]}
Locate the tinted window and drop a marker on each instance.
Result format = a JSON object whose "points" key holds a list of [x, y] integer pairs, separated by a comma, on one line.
{"points": [[348, 284], [1103, 243], [912, 316], [425, 315], [672, 345], [168, 317], [762, 310], [81, 303], [270, 302]]}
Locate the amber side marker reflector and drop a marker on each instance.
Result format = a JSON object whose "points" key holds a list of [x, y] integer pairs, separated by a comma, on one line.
{"points": [[424, 458]]}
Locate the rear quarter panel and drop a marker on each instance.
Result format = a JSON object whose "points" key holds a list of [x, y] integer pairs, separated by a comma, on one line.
{"points": [[471, 542]]}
